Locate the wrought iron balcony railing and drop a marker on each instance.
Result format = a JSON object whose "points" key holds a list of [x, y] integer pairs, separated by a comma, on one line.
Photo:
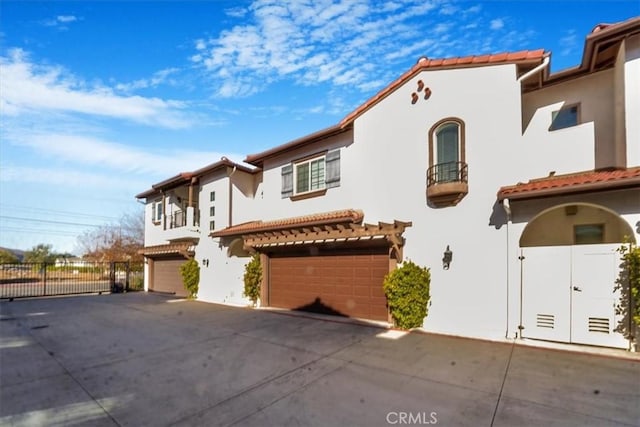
{"points": [[447, 172]]}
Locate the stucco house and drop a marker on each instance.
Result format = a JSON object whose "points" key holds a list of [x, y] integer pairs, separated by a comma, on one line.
{"points": [[513, 185]]}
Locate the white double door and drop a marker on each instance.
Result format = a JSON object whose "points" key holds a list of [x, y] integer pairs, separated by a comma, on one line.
{"points": [[568, 294]]}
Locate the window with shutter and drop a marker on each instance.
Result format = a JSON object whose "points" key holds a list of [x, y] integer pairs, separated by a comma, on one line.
{"points": [[287, 181], [311, 175], [333, 169]]}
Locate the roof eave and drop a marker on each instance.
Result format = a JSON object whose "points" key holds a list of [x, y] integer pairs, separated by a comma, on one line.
{"points": [[420, 67], [259, 158], [569, 190]]}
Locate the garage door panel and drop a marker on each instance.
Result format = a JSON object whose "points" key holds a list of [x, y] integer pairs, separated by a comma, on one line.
{"points": [[167, 277], [348, 284], [344, 290]]}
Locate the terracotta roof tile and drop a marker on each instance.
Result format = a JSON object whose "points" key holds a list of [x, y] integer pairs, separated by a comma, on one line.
{"points": [[571, 183], [185, 177], [430, 64], [325, 218]]}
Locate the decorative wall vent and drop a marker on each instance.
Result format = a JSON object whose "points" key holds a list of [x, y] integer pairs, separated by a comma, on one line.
{"points": [[545, 321], [599, 324], [427, 92]]}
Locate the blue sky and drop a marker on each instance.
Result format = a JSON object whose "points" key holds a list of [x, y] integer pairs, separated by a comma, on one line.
{"points": [[99, 100]]}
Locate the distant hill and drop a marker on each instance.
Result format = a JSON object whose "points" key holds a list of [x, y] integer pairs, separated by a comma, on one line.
{"points": [[16, 252]]}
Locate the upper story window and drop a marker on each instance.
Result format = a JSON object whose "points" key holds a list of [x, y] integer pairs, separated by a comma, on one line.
{"points": [[212, 196], [447, 151], [565, 117], [157, 211], [311, 176], [447, 173]]}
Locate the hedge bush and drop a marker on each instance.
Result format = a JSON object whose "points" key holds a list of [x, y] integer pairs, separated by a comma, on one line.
{"points": [[190, 272], [628, 283], [252, 279], [407, 291]]}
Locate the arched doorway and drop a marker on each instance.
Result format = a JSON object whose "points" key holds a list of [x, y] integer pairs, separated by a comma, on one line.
{"points": [[569, 265]]}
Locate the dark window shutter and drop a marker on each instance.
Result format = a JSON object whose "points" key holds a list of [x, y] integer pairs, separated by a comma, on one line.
{"points": [[287, 181], [333, 169], [153, 211]]}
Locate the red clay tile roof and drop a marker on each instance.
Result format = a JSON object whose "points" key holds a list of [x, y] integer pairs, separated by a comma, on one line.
{"points": [[524, 56], [258, 158], [336, 217], [615, 26], [573, 183], [185, 177]]}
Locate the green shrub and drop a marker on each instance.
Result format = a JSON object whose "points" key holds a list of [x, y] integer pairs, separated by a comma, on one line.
{"points": [[190, 272], [628, 283], [136, 282], [407, 291], [252, 279]]}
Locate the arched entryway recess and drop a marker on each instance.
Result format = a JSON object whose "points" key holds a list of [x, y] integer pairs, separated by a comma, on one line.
{"points": [[569, 265]]}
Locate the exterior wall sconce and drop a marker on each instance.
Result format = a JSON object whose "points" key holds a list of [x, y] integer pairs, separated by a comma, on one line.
{"points": [[447, 258], [205, 262]]}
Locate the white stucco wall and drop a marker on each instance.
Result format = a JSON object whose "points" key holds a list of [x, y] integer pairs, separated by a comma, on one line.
{"points": [[221, 276], [632, 99], [582, 147]]}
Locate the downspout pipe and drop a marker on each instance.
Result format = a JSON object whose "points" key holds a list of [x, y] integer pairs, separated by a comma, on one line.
{"points": [[545, 62], [507, 210]]}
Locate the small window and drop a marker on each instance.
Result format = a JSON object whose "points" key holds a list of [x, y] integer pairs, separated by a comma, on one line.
{"points": [[565, 117], [212, 196], [212, 225], [212, 211], [156, 211], [588, 234], [310, 175]]}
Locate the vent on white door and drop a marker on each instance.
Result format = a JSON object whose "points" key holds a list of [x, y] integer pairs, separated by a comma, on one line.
{"points": [[545, 321], [599, 324]]}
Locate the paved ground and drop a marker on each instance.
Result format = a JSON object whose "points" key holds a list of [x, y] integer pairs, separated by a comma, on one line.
{"points": [[139, 359]]}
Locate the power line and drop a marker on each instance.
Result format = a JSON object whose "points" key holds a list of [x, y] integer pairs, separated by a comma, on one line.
{"points": [[40, 231], [66, 213], [76, 224]]}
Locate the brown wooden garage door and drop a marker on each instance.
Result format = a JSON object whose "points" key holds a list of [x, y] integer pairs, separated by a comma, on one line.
{"points": [[166, 276], [348, 285]]}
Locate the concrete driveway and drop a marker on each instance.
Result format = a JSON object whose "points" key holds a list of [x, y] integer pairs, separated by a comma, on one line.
{"points": [[141, 359]]}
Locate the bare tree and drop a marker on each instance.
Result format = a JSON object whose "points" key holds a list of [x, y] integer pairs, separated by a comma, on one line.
{"points": [[120, 241]]}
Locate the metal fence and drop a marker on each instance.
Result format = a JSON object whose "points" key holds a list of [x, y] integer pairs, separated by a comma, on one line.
{"points": [[45, 279]]}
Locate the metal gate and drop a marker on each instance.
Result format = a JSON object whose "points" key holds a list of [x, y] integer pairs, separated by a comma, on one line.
{"points": [[46, 279], [568, 294]]}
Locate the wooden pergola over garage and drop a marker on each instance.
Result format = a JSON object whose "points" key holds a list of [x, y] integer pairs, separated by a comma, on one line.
{"points": [[329, 262]]}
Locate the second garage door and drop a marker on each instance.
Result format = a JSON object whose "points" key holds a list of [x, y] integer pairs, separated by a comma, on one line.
{"points": [[166, 276], [348, 285]]}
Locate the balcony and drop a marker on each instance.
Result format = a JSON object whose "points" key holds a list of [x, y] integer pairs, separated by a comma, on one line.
{"points": [[182, 224], [447, 183]]}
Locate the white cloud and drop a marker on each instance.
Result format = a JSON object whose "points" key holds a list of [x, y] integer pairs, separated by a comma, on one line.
{"points": [[26, 87], [158, 78], [568, 43], [66, 18], [60, 22], [337, 42], [67, 178], [496, 24], [236, 12], [87, 150]]}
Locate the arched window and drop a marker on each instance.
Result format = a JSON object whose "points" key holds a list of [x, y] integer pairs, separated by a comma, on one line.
{"points": [[446, 151]]}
